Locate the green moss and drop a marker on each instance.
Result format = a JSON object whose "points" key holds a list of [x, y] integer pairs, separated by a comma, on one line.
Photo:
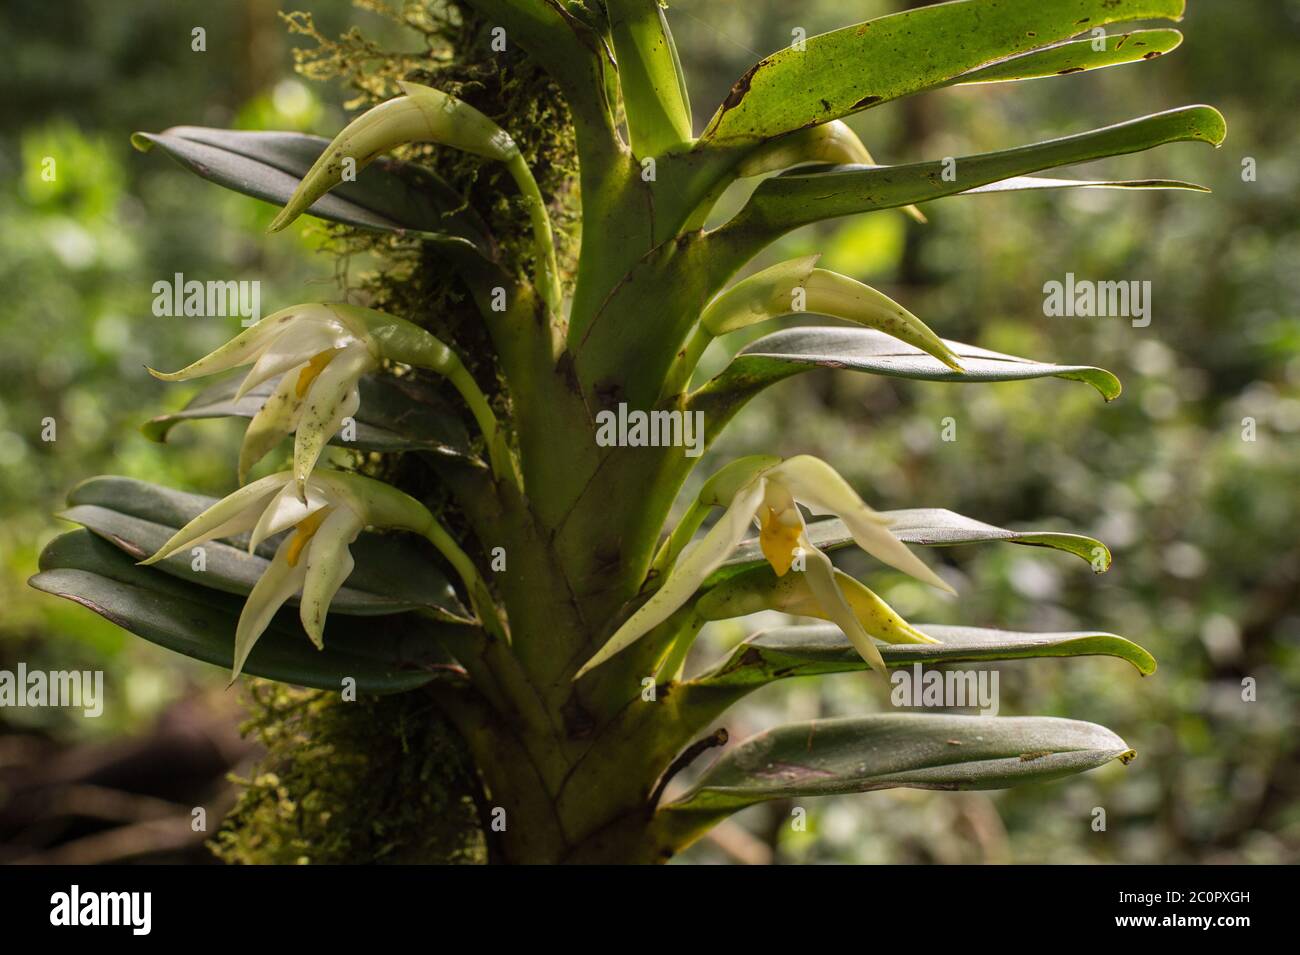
{"points": [[381, 780]]}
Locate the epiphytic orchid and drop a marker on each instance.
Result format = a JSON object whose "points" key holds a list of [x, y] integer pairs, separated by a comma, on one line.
{"points": [[767, 491]]}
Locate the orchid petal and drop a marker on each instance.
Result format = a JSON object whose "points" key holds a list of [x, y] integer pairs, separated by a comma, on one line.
{"points": [[694, 566], [278, 583], [297, 345], [332, 398], [329, 563], [817, 484], [231, 515], [285, 510], [274, 421], [820, 577]]}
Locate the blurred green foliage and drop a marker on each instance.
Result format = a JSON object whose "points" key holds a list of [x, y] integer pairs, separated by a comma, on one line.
{"points": [[1202, 522]]}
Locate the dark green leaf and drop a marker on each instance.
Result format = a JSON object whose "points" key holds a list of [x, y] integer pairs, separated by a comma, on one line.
{"points": [[382, 654], [821, 648], [389, 195], [775, 357], [847, 70], [918, 751], [396, 414], [394, 572]]}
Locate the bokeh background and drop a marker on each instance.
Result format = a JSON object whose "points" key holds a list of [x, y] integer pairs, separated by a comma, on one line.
{"points": [[1202, 522]]}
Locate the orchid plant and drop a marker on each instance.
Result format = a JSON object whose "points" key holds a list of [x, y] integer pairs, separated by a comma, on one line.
{"points": [[541, 596]]}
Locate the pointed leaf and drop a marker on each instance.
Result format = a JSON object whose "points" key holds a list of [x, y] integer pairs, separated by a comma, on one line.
{"points": [[859, 66], [924, 526], [389, 195], [396, 414], [1078, 56], [780, 355], [394, 572], [654, 91], [811, 650], [388, 655], [786, 202], [917, 751]]}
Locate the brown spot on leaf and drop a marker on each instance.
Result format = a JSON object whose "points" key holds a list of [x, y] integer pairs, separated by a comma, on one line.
{"points": [[740, 88], [1030, 757], [1069, 69], [866, 101], [1151, 55]]}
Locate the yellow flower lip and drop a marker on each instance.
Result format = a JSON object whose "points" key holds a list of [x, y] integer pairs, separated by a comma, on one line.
{"points": [[313, 368], [304, 532], [779, 537]]}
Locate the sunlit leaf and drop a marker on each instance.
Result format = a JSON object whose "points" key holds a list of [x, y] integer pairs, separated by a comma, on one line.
{"points": [[847, 70]]}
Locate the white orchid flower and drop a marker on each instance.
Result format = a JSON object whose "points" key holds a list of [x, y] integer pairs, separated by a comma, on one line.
{"points": [[424, 114], [314, 559], [767, 491], [322, 350]]}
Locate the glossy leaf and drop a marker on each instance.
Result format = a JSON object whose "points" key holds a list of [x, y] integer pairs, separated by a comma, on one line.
{"points": [[812, 650], [786, 202], [396, 414], [782, 354], [389, 195], [382, 654], [886, 751], [394, 572], [924, 526], [869, 63]]}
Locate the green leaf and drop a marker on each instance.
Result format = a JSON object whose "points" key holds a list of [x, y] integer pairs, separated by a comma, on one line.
{"points": [[917, 751], [848, 70], [654, 90], [786, 202], [923, 526], [388, 196], [1077, 56], [390, 656], [821, 648], [394, 572], [780, 355], [396, 414]]}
